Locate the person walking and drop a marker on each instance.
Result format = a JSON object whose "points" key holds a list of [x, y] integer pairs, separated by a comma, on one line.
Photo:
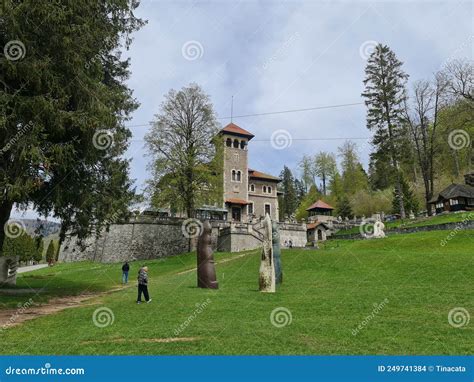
{"points": [[125, 270], [143, 285]]}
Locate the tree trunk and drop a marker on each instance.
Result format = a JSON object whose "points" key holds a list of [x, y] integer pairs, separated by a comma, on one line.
{"points": [[5, 210], [324, 185]]}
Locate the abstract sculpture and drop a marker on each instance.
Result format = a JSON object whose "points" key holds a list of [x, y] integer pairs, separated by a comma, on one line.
{"points": [[206, 271], [8, 268], [267, 270], [276, 253]]}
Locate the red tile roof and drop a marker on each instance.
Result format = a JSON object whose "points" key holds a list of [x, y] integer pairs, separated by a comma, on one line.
{"points": [[321, 205], [261, 175], [236, 201], [232, 128], [313, 225]]}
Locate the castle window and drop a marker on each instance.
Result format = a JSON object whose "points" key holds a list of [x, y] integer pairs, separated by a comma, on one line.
{"points": [[239, 176], [233, 175], [236, 143], [268, 209], [252, 187], [269, 190], [228, 142], [243, 144], [250, 209], [264, 189]]}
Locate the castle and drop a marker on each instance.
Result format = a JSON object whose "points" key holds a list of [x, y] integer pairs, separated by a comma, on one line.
{"points": [[248, 194]]}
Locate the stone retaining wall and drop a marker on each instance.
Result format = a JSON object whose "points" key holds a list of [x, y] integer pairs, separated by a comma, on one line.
{"points": [[469, 224]]}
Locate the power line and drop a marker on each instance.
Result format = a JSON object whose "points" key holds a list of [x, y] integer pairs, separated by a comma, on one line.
{"points": [[294, 110], [275, 112]]}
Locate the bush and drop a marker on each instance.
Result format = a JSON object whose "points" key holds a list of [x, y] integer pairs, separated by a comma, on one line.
{"points": [[50, 253]]}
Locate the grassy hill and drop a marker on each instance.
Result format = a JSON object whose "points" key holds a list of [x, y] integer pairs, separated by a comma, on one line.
{"points": [[398, 290]]}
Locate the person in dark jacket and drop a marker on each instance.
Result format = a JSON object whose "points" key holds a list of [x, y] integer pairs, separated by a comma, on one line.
{"points": [[125, 269], [143, 285]]}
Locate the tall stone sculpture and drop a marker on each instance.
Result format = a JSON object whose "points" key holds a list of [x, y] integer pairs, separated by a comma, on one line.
{"points": [[267, 269], [276, 253], [206, 271], [8, 268]]}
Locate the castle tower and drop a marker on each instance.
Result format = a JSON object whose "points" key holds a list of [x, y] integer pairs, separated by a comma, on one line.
{"points": [[236, 171]]}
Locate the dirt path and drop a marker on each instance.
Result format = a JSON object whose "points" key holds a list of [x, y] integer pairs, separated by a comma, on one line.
{"points": [[30, 311]]}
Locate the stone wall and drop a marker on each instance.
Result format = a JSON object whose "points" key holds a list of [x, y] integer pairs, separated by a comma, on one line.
{"points": [[130, 241], [151, 239], [469, 224]]}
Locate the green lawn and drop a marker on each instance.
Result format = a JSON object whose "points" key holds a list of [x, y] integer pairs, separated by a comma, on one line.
{"points": [[406, 285], [419, 222]]}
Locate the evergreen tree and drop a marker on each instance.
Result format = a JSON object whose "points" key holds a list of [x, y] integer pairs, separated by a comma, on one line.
{"points": [[343, 207], [409, 199], [50, 253], [289, 198], [384, 97], [64, 102], [300, 191]]}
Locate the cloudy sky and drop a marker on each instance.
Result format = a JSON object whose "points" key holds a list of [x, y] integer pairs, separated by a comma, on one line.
{"points": [[284, 55]]}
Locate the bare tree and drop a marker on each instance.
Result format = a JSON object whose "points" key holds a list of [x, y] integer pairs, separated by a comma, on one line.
{"points": [[459, 78], [422, 119]]}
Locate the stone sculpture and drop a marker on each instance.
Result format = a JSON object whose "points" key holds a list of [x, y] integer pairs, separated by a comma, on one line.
{"points": [[206, 271], [276, 253], [8, 268], [267, 269], [379, 229]]}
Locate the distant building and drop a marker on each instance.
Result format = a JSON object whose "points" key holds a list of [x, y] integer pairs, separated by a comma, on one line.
{"points": [[248, 194], [455, 197], [320, 220]]}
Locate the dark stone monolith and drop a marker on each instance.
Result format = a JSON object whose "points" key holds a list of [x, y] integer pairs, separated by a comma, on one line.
{"points": [[206, 271]]}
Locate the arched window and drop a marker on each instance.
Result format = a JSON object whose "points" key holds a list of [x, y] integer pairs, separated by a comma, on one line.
{"points": [[228, 142], [239, 176], [252, 187], [243, 144], [233, 175], [264, 189], [236, 143], [269, 190]]}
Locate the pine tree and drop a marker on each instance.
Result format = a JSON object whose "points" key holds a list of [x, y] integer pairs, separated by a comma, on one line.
{"points": [[64, 103], [289, 198], [384, 97], [409, 199], [343, 207], [50, 255]]}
